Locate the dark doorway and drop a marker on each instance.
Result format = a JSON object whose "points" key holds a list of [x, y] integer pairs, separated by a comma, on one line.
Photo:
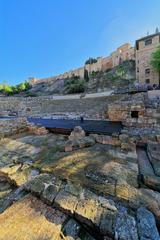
{"points": [[134, 114]]}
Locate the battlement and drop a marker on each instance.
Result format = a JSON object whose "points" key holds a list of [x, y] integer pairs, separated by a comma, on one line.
{"points": [[144, 47], [121, 54]]}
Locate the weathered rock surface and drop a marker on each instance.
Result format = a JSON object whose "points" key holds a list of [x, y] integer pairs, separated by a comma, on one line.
{"points": [[77, 133], [32, 219], [95, 187], [153, 149], [146, 225], [74, 144], [109, 140], [125, 226]]}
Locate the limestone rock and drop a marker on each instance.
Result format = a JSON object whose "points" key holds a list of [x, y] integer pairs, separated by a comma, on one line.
{"points": [[11, 197], [153, 149], [103, 139], [125, 226], [37, 185], [37, 130], [72, 229], [79, 143], [50, 192], [86, 210], [66, 201], [146, 225], [5, 189], [77, 133], [31, 219], [74, 189], [107, 222]]}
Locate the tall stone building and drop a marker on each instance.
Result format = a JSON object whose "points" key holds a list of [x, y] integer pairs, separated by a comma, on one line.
{"points": [[144, 49]]}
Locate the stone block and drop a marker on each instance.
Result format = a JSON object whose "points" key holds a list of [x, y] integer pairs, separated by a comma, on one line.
{"points": [[147, 225], [50, 192], [125, 227], [66, 201], [107, 222], [77, 133]]}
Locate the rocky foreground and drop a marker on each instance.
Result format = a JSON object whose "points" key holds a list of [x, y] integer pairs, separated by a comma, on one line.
{"points": [[52, 187]]}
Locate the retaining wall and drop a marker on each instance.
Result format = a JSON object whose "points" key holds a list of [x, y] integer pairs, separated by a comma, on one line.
{"points": [[43, 106]]}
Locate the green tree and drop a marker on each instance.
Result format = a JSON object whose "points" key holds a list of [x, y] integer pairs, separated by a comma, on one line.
{"points": [[8, 90], [21, 87], [155, 61], [91, 61], [86, 77]]}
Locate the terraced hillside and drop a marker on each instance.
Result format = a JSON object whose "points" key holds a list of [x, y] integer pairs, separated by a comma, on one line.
{"points": [[120, 76]]}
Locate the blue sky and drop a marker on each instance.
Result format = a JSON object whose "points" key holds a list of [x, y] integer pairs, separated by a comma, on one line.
{"points": [[41, 38]]}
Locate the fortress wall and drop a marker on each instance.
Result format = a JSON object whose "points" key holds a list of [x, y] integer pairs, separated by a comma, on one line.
{"points": [[124, 52]]}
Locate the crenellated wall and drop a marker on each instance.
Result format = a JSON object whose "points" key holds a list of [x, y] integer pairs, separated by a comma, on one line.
{"points": [[123, 53]]}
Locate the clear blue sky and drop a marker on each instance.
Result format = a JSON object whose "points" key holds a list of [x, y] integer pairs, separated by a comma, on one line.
{"points": [[41, 38]]}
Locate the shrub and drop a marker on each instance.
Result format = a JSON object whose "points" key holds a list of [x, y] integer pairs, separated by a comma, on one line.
{"points": [[86, 77], [91, 61], [155, 61], [78, 87], [10, 90], [94, 73]]}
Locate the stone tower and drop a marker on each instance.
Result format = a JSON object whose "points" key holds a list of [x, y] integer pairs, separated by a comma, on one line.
{"points": [[144, 49]]}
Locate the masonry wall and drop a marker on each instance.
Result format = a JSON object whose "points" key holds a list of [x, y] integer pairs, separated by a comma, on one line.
{"points": [[46, 106], [13, 126], [138, 112], [143, 58], [123, 53]]}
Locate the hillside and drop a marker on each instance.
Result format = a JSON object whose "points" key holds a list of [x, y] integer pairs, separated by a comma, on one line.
{"points": [[120, 76]]}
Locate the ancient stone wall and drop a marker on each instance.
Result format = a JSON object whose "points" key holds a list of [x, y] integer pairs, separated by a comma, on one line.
{"points": [[48, 106], [137, 111], [13, 126]]}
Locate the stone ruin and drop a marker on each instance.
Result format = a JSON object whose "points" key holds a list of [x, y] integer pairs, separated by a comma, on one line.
{"points": [[83, 186], [77, 133]]}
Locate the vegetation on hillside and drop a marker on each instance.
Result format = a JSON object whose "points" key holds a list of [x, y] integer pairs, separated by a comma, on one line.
{"points": [[155, 61], [75, 85], [91, 61], [8, 90], [117, 77]]}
